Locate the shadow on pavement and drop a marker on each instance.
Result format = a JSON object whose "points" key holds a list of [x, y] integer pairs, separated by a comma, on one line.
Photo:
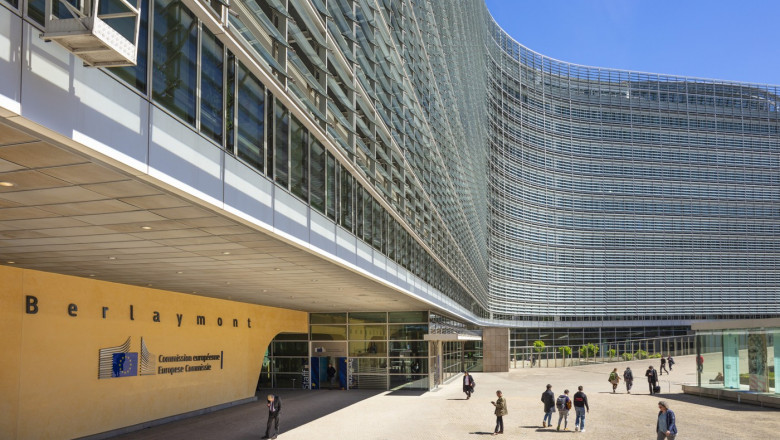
{"points": [[248, 421], [304, 406]]}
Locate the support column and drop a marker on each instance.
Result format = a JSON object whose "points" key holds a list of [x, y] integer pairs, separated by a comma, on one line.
{"points": [[495, 349]]}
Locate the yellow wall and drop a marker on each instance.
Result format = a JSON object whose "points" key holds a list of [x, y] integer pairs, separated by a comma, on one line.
{"points": [[49, 380]]}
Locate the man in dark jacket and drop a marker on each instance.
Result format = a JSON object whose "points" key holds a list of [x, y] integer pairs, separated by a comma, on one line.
{"points": [[548, 398], [652, 378], [628, 377], [580, 407], [274, 408], [331, 375]]}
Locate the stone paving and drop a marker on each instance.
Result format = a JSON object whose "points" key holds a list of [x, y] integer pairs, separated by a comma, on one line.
{"points": [[445, 414]]}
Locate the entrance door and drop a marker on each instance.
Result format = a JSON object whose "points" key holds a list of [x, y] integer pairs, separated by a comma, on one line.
{"points": [[319, 372], [324, 353]]}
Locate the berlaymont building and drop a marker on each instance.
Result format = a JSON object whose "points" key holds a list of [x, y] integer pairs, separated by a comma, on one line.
{"points": [[203, 198]]}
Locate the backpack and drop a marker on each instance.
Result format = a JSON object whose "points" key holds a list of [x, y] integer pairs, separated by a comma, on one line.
{"points": [[561, 402]]}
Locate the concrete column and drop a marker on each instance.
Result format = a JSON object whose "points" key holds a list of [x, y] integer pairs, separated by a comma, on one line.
{"points": [[440, 369], [495, 349]]}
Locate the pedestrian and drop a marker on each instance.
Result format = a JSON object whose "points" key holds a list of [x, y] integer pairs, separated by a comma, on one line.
{"points": [[331, 376], [628, 376], [666, 428], [548, 398], [468, 384], [614, 379], [274, 408], [670, 362], [500, 412], [652, 378], [580, 407], [663, 367], [700, 363], [563, 403]]}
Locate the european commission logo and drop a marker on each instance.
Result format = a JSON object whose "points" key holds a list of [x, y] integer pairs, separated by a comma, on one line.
{"points": [[119, 361]]}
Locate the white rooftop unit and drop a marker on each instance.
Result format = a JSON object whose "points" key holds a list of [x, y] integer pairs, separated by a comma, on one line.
{"points": [[90, 30]]}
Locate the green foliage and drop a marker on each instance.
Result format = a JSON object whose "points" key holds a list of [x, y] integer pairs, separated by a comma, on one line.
{"points": [[611, 352], [565, 351], [538, 346], [640, 354], [655, 356], [589, 350], [627, 356]]}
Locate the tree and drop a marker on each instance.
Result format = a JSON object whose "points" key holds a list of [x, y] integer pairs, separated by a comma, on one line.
{"points": [[611, 353], [538, 348], [589, 350], [565, 352]]}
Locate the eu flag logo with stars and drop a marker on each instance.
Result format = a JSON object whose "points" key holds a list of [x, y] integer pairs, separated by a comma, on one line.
{"points": [[124, 364]]}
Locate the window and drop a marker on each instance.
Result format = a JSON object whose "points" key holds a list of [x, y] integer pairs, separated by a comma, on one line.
{"points": [[230, 102], [330, 191], [282, 132], [136, 75], [346, 199], [299, 159], [250, 118], [211, 80], [317, 167], [175, 46]]}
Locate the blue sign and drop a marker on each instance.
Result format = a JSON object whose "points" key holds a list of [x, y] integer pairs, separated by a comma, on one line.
{"points": [[124, 364]]}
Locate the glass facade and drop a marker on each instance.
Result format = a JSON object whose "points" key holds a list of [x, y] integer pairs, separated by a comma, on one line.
{"points": [[383, 350], [522, 188], [388, 160], [625, 196], [739, 359]]}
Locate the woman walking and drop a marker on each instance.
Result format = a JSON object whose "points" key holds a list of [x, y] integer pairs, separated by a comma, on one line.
{"points": [[500, 412], [666, 428], [614, 379]]}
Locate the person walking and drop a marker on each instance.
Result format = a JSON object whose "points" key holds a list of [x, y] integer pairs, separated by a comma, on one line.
{"points": [[670, 362], [563, 403], [700, 363], [580, 407], [331, 376], [663, 367], [614, 379], [274, 408], [652, 378], [628, 376], [666, 427], [548, 398], [500, 412], [468, 384]]}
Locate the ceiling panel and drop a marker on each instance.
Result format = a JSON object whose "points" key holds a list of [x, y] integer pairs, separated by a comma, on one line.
{"points": [[72, 216]]}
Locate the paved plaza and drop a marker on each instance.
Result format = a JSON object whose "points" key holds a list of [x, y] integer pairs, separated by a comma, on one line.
{"points": [[445, 414]]}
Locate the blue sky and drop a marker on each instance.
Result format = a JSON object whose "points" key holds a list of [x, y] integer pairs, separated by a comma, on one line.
{"points": [[737, 40]]}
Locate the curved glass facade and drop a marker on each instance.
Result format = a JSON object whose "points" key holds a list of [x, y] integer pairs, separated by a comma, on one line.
{"points": [[522, 187], [629, 196]]}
